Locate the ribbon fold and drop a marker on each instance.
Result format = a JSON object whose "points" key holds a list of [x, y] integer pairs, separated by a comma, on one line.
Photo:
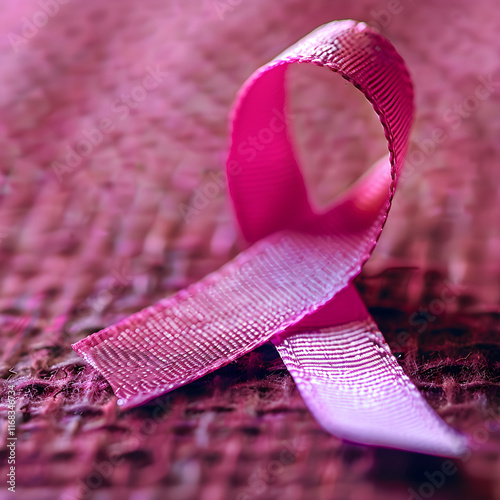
{"points": [[293, 285]]}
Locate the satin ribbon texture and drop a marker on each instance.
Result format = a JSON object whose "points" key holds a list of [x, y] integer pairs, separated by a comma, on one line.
{"points": [[293, 284]]}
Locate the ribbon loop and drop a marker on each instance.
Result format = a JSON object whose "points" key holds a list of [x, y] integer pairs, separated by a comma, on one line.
{"points": [[269, 192]]}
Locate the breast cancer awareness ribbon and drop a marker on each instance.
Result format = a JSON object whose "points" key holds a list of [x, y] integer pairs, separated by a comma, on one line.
{"points": [[293, 285]]}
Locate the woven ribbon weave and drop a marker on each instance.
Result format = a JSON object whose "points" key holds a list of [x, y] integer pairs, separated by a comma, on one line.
{"points": [[293, 284]]}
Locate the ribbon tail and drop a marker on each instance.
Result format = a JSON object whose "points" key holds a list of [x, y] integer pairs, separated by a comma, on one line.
{"points": [[356, 389]]}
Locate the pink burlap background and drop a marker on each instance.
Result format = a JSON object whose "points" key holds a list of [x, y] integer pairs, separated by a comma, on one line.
{"points": [[86, 243]]}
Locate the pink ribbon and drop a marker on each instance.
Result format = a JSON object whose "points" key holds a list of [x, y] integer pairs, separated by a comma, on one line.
{"points": [[293, 285]]}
